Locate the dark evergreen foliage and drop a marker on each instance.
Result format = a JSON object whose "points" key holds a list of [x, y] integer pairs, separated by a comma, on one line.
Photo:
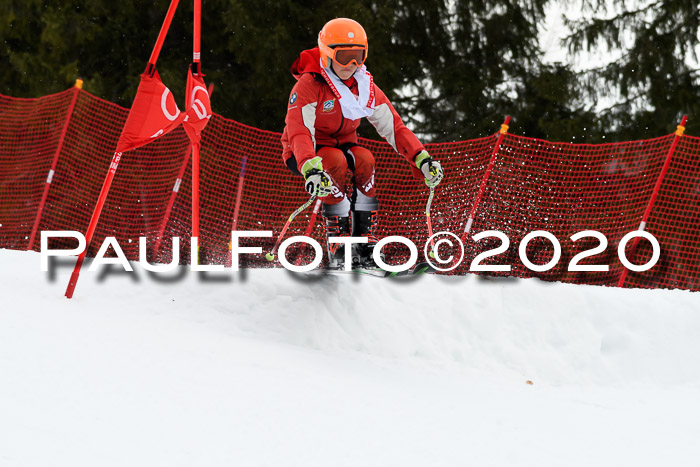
{"points": [[657, 72], [453, 69]]}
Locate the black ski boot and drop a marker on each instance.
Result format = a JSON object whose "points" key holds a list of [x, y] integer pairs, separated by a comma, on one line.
{"points": [[364, 224], [337, 226]]}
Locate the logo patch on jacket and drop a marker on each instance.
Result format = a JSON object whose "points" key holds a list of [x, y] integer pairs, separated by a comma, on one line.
{"points": [[328, 105], [293, 99]]}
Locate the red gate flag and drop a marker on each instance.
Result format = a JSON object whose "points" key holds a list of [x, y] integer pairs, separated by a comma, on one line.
{"points": [[198, 106], [153, 114]]}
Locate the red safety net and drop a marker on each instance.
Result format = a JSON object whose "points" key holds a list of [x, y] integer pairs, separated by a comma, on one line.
{"points": [[29, 133], [561, 188]]}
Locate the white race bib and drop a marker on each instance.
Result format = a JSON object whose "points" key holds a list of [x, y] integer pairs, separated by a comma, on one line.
{"points": [[353, 107]]}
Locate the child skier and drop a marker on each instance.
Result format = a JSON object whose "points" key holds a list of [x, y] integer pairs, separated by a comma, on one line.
{"points": [[333, 92]]}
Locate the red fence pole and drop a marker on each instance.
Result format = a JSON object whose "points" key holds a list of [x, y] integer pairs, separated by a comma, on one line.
{"points": [[485, 178], [76, 90], [236, 209], [171, 203], [239, 194], [680, 129]]}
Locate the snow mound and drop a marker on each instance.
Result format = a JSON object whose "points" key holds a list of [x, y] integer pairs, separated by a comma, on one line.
{"points": [[271, 368], [550, 332]]}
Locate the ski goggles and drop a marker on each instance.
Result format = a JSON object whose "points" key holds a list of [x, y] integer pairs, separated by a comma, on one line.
{"points": [[344, 55]]}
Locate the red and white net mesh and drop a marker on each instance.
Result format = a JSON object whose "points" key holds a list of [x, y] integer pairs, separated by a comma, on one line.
{"points": [[561, 188]]}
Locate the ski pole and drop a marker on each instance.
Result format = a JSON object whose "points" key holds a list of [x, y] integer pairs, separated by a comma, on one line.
{"points": [[430, 225], [271, 255], [309, 228]]}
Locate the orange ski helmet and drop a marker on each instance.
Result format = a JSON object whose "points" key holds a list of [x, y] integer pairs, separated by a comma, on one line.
{"points": [[343, 40]]}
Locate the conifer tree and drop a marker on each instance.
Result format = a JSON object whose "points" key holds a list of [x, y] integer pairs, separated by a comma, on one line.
{"points": [[656, 74], [452, 69]]}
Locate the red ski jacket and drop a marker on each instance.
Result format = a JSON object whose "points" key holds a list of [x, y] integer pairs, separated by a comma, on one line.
{"points": [[314, 117]]}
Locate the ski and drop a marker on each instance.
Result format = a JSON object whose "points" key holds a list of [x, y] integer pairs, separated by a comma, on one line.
{"points": [[419, 268], [362, 271]]}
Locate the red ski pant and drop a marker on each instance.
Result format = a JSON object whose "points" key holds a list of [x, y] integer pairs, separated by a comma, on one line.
{"points": [[336, 163]]}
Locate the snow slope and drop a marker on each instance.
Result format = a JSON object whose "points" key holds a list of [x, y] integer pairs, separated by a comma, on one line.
{"points": [[274, 368]]}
